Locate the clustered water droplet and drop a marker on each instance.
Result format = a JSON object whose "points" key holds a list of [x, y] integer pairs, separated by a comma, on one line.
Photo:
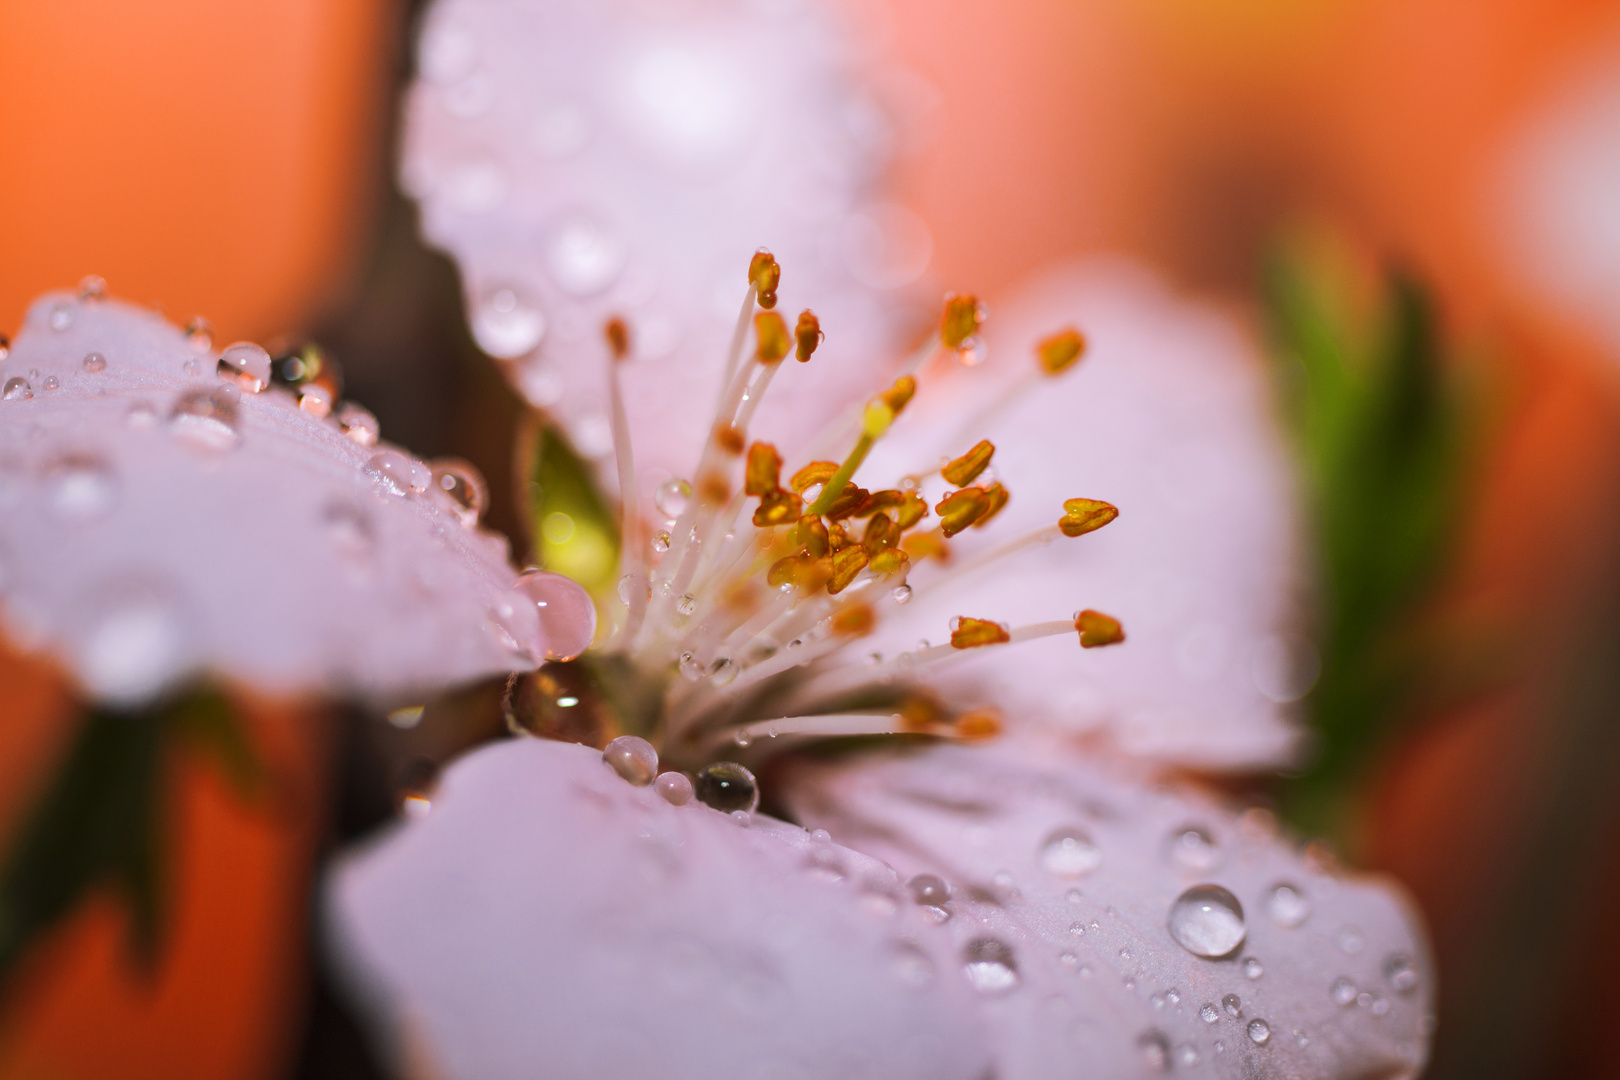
{"points": [[1259, 1032], [990, 965], [633, 758], [358, 425], [1070, 853], [397, 473], [675, 787], [1207, 921], [16, 389], [1233, 1005], [1343, 991], [462, 487], [1193, 849], [207, 417], [247, 365], [728, 787], [1208, 1013], [1401, 972], [672, 497]]}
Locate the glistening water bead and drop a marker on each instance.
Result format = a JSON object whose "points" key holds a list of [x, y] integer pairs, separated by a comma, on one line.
{"points": [[990, 966], [1070, 853], [632, 758], [1288, 906], [1207, 921], [727, 787]]}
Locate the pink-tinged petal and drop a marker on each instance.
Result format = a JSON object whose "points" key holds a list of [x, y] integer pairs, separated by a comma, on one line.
{"points": [[617, 158], [548, 918], [161, 521], [1167, 418], [1072, 867]]}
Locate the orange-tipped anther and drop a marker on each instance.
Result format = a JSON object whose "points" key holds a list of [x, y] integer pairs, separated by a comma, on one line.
{"points": [[1061, 351], [889, 562], [764, 469], [771, 336], [962, 319], [966, 469], [817, 472], [844, 566], [854, 619], [996, 497], [778, 508], [808, 335], [1097, 629], [970, 633], [960, 509], [879, 501], [978, 724], [849, 500], [764, 275], [618, 337], [912, 510], [881, 533], [1081, 516], [898, 396]]}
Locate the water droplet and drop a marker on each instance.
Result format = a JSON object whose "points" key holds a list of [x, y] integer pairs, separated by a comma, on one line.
{"points": [[660, 540], [632, 758], [686, 604], [94, 363], [1208, 1013], [1074, 896], [1186, 1055], [1301, 1038], [1232, 1005], [1193, 849], [1252, 968], [507, 324], [61, 316], [358, 425], [567, 613], [585, 256], [1401, 972], [1155, 1050], [741, 737], [672, 496], [1077, 929], [192, 367], [825, 864], [134, 648], [727, 786], [1259, 1032], [1070, 853], [1343, 991], [315, 399], [52, 382], [742, 818], [16, 389], [1380, 1004], [723, 672], [80, 488], [1287, 906], [929, 890], [990, 966], [92, 288], [1350, 940], [349, 528], [1069, 961], [397, 473], [206, 416], [675, 787], [1207, 921], [247, 365], [142, 414], [200, 336]]}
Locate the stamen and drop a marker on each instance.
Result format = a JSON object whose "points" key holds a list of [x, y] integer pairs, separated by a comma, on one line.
{"points": [[808, 335], [1098, 630], [966, 469], [880, 415], [763, 276], [1061, 351], [1081, 516], [971, 633], [963, 317], [960, 509]]}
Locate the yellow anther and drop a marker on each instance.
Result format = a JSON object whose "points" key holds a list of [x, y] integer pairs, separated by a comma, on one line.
{"points": [[764, 469], [879, 501], [877, 418], [928, 545], [970, 633], [1097, 629], [838, 537], [881, 533], [729, 439], [912, 510], [854, 619], [966, 469], [845, 565], [618, 337], [978, 724], [962, 319], [778, 508], [996, 497], [889, 562], [898, 396], [960, 509], [817, 472], [1081, 516], [808, 335], [713, 489], [764, 275], [811, 535], [1061, 351], [848, 501], [771, 336]]}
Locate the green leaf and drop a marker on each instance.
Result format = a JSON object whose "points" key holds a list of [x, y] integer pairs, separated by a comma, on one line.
{"points": [[574, 532]]}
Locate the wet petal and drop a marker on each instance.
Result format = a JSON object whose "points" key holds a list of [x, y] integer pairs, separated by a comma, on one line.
{"points": [[583, 161], [1167, 419], [1073, 867], [158, 521], [548, 917]]}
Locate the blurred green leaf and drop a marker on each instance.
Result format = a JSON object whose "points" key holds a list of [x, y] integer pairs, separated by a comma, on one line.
{"points": [[572, 529], [101, 821], [1385, 431]]}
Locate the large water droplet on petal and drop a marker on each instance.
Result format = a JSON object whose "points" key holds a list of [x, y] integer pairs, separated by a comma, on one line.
{"points": [[516, 622], [1193, 849], [1259, 1032], [990, 965], [206, 416], [506, 323], [358, 425], [1070, 853], [462, 489], [632, 758], [398, 473], [1155, 1051], [16, 389], [94, 363], [728, 787], [567, 613], [1207, 921], [929, 890], [80, 488], [671, 497], [1287, 906], [675, 787], [247, 365]]}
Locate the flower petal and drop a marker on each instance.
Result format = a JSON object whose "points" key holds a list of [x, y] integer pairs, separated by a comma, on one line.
{"points": [[1166, 418], [548, 917], [1073, 866], [159, 522], [585, 161]]}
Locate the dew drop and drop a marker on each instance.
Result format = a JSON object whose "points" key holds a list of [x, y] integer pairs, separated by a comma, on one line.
{"points": [[1287, 906], [672, 496], [1069, 961], [398, 473], [660, 540], [61, 316], [247, 365], [206, 416], [1252, 968], [1350, 942], [506, 324], [1207, 921], [199, 335], [1232, 1005], [567, 613], [142, 414], [634, 587], [16, 389], [1401, 972], [632, 758], [1193, 849], [1155, 1050], [741, 737], [516, 622], [1259, 1032], [1380, 1004], [742, 818], [80, 488], [1186, 1055], [315, 399], [1301, 1038], [1077, 929], [52, 382], [1208, 1013], [1070, 853], [675, 787], [192, 368], [358, 425], [94, 363], [727, 787], [92, 288], [990, 966], [901, 594], [686, 604], [929, 890], [1343, 991], [723, 672]]}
